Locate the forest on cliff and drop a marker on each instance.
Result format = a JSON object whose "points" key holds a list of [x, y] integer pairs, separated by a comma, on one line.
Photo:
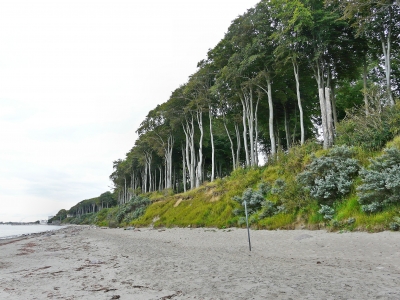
{"points": [[295, 110]]}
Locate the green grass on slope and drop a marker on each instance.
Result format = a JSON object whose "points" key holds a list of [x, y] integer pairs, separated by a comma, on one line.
{"points": [[210, 205]]}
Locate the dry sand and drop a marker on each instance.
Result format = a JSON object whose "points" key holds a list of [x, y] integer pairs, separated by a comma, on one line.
{"points": [[83, 262]]}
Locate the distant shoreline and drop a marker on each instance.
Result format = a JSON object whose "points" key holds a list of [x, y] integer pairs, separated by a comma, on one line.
{"points": [[27, 234]]}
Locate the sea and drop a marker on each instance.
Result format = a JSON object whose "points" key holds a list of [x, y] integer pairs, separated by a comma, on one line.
{"points": [[11, 231]]}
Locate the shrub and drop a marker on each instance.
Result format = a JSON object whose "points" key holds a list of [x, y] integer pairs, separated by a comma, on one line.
{"points": [[268, 209], [279, 187], [327, 212], [369, 132], [255, 201], [330, 176], [132, 210], [372, 207], [350, 221], [381, 182], [395, 225]]}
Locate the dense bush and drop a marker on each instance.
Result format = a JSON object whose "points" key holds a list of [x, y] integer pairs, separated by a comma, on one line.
{"points": [[381, 182], [254, 200], [133, 209], [330, 177], [370, 132]]}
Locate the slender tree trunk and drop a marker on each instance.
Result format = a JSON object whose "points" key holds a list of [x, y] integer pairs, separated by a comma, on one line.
{"points": [[199, 168], [286, 128], [322, 103], [271, 117], [171, 141], [246, 149], [386, 48], [238, 144], [165, 177], [183, 169], [271, 113], [365, 87], [256, 130], [334, 110], [160, 179], [250, 123], [212, 145], [125, 191], [296, 75], [190, 150], [231, 142]]}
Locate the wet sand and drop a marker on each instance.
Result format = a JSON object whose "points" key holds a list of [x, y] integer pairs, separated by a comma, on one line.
{"points": [[83, 262]]}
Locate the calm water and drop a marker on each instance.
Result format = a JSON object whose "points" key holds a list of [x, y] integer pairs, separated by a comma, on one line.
{"points": [[7, 231]]}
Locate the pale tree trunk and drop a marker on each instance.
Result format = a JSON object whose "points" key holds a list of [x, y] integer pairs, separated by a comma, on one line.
{"points": [[256, 130], [183, 169], [190, 151], [271, 117], [148, 158], [334, 110], [386, 48], [133, 183], [249, 120], [160, 179], [165, 177], [144, 180], [125, 191], [365, 87], [238, 144], [231, 142], [271, 114], [329, 119], [199, 173], [250, 123], [296, 75], [246, 149], [286, 128], [212, 145], [171, 141], [192, 158], [386, 45], [322, 103]]}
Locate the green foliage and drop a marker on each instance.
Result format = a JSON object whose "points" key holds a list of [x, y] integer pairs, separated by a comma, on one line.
{"points": [[107, 199], [381, 182], [133, 209], [254, 200], [60, 216], [370, 132], [395, 225], [331, 176], [327, 212]]}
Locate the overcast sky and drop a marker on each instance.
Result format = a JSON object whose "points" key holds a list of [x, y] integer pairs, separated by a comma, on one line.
{"points": [[76, 80]]}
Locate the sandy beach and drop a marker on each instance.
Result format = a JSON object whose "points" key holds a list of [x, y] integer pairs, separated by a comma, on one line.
{"points": [[83, 262]]}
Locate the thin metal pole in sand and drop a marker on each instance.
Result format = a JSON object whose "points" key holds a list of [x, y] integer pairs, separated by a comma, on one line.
{"points": [[247, 223]]}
